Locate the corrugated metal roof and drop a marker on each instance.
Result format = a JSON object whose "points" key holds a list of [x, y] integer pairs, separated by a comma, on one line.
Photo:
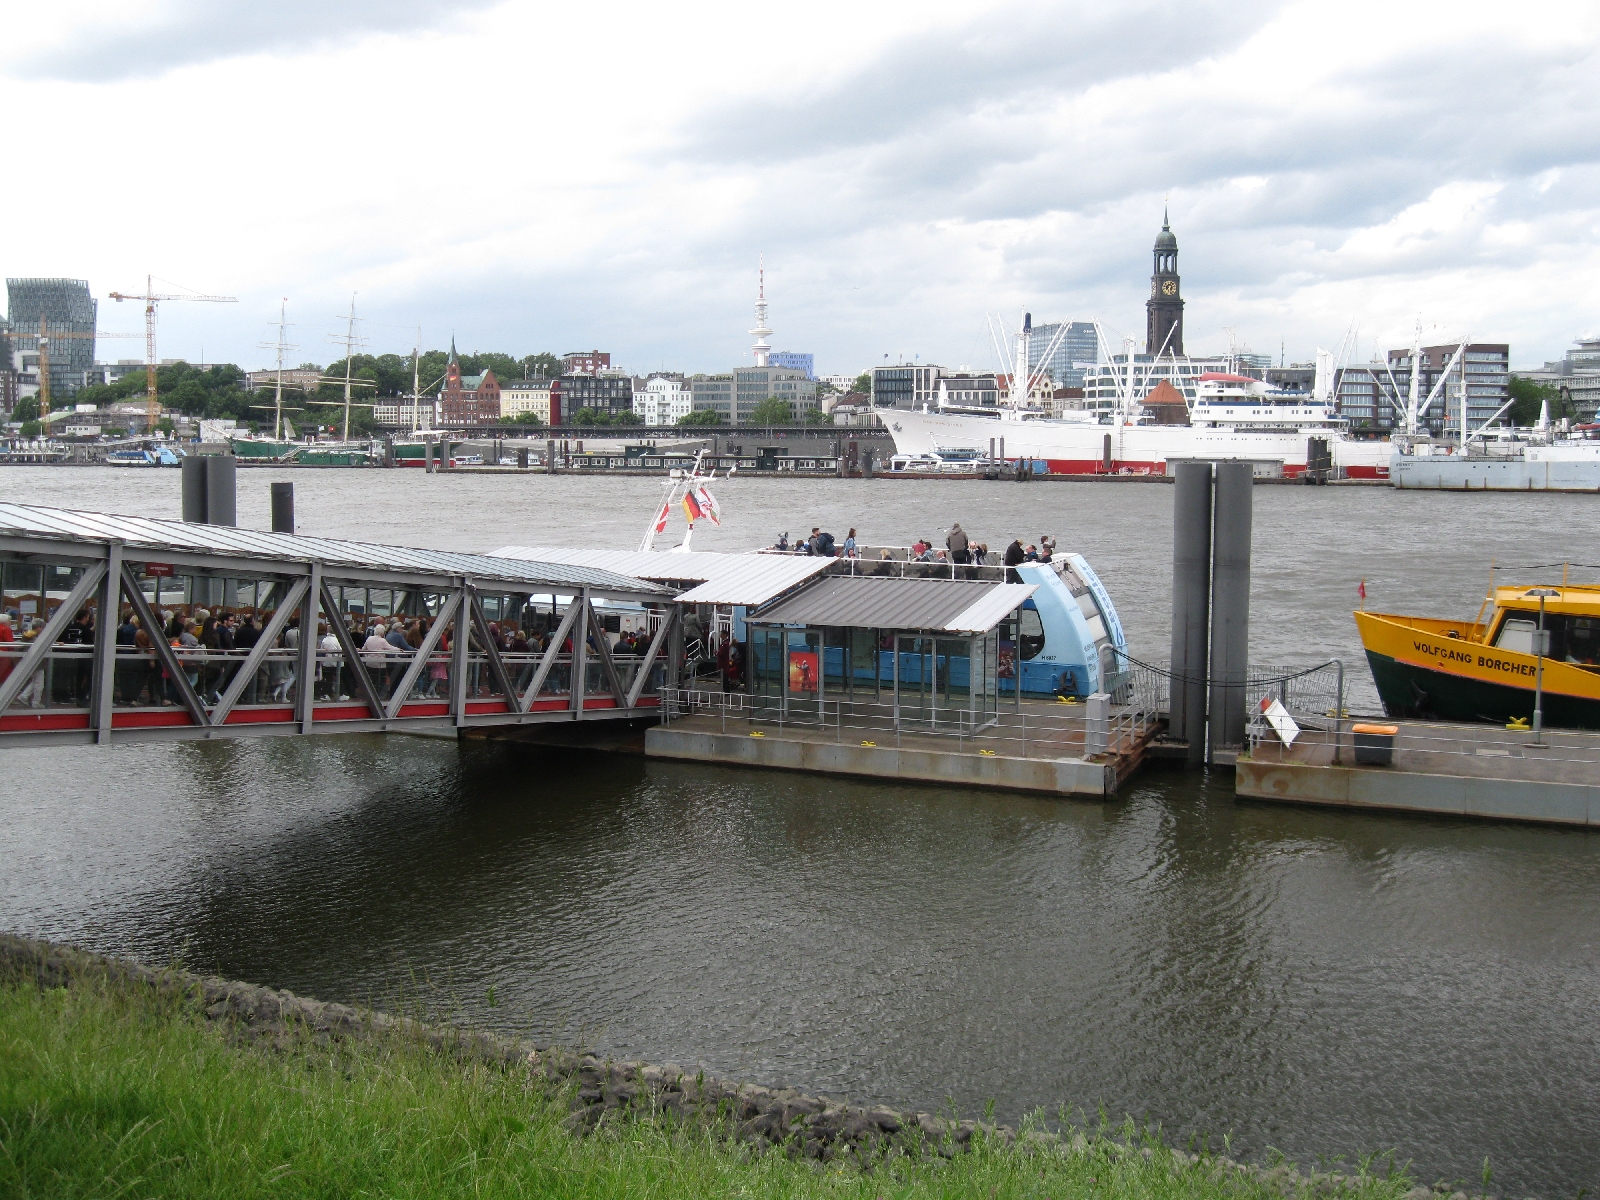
{"points": [[157, 535], [947, 605], [741, 579]]}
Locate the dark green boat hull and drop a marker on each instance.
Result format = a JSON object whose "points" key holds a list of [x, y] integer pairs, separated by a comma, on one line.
{"points": [[1408, 691]]}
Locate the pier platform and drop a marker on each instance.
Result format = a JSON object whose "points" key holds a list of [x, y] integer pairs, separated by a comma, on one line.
{"points": [[1050, 748], [1450, 769]]}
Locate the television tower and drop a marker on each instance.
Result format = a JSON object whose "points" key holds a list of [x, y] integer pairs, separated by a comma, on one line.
{"points": [[761, 333]]}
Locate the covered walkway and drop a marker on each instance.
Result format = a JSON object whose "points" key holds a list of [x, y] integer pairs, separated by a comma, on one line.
{"points": [[101, 605]]}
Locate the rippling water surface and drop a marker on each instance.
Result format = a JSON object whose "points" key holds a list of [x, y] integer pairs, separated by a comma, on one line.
{"points": [[1321, 983]]}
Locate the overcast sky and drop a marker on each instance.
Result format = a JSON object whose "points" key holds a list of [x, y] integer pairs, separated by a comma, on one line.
{"points": [[559, 177]]}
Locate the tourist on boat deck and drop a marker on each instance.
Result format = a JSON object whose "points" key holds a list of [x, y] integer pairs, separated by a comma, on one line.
{"points": [[957, 544], [1033, 553], [919, 547], [1047, 547], [850, 544], [1015, 557]]}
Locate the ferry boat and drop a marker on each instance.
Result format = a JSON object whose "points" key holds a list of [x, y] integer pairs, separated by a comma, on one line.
{"points": [[1486, 669], [1232, 417]]}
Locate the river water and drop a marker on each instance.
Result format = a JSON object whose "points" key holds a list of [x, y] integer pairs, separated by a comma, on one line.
{"points": [[1320, 983]]}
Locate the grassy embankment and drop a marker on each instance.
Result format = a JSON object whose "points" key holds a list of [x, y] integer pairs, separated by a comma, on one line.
{"points": [[115, 1090]]}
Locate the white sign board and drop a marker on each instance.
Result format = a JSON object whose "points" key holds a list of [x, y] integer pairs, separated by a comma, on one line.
{"points": [[1282, 723]]}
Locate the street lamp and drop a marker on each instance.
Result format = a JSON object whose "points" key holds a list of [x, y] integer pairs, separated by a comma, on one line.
{"points": [[1541, 647]]}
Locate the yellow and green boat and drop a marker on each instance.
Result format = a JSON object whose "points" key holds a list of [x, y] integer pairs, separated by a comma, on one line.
{"points": [[1486, 669]]}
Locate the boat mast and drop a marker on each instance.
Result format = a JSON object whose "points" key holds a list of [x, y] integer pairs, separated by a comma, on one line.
{"points": [[277, 404], [416, 379]]}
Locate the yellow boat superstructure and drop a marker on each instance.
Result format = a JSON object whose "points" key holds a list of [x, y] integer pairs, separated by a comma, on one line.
{"points": [[1486, 669]]}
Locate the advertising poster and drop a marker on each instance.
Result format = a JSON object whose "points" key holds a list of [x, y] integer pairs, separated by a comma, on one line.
{"points": [[803, 671]]}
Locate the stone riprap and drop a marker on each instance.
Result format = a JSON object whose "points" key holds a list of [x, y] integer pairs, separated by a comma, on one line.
{"points": [[600, 1089]]}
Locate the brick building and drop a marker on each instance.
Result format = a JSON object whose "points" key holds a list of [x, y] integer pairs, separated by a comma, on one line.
{"points": [[467, 400]]}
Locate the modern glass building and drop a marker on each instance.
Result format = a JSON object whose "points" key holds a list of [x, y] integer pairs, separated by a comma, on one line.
{"points": [[794, 361], [1078, 346], [66, 307]]}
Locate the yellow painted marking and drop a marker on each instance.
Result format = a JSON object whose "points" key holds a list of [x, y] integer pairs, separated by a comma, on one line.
{"points": [[990, 753], [872, 744], [757, 733]]}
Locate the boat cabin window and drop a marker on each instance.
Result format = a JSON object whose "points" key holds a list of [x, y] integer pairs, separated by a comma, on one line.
{"points": [[1516, 635], [1572, 639], [1030, 633]]}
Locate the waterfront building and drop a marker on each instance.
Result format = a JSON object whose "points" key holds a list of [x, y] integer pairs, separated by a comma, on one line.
{"points": [[531, 401], [906, 385], [1577, 375], [844, 383], [968, 390], [794, 361], [65, 306], [305, 379], [1135, 374], [467, 400], [733, 394], [585, 362], [1079, 347], [661, 400], [610, 393], [1488, 380], [390, 412]]}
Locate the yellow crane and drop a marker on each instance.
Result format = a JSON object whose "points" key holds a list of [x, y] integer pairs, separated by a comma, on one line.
{"points": [[45, 336], [150, 299]]}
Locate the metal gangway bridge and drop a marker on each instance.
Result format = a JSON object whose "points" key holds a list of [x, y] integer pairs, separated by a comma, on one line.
{"points": [[65, 681]]}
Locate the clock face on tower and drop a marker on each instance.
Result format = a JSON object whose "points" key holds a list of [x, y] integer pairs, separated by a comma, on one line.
{"points": [[1170, 287]]}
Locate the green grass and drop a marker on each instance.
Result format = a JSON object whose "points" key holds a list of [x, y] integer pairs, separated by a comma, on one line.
{"points": [[114, 1090]]}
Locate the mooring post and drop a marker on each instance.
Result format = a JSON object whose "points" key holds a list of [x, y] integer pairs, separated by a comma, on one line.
{"points": [[1230, 603], [222, 489], [194, 489], [283, 508], [1191, 597]]}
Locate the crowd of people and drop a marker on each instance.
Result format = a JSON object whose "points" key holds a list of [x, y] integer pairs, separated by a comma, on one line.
{"points": [[958, 549], [209, 648]]}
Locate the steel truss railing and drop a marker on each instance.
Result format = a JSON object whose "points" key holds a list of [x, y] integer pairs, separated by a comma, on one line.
{"points": [[51, 690]]}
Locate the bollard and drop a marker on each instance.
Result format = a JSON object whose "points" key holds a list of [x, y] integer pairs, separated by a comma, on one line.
{"points": [[222, 489], [283, 508], [1097, 724], [1230, 602], [194, 488], [1191, 597]]}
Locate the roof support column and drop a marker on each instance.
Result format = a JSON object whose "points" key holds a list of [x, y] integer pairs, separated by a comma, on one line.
{"points": [[580, 651], [460, 642], [306, 693], [105, 647]]}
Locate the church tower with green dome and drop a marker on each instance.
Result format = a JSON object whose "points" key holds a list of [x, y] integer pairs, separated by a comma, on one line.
{"points": [[1164, 309]]}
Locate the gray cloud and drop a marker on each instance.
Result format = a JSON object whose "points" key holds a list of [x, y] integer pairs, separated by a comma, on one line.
{"points": [[189, 32]]}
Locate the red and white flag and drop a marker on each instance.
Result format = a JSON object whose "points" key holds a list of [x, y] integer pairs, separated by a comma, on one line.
{"points": [[661, 517], [1362, 590], [708, 504]]}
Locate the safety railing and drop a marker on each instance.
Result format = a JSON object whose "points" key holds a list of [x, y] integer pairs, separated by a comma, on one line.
{"points": [[63, 679], [1036, 729]]}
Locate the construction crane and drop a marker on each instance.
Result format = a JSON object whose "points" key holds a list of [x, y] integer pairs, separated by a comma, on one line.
{"points": [[153, 405], [44, 335]]}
